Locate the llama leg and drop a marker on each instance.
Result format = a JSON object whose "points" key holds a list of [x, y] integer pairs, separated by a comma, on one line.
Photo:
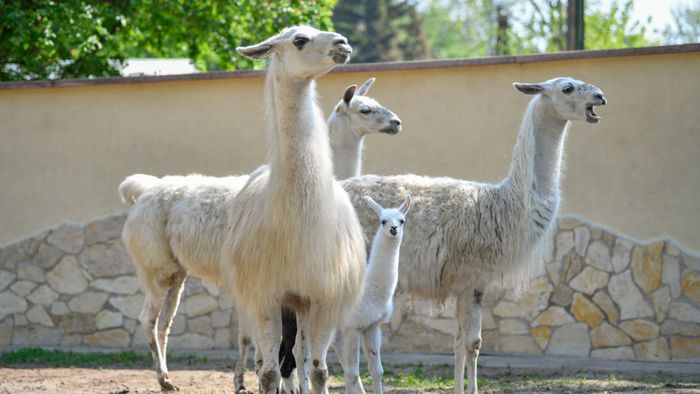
{"points": [[468, 341], [149, 320], [301, 352], [350, 354], [373, 346], [268, 344], [165, 320], [287, 360], [244, 343], [319, 338]]}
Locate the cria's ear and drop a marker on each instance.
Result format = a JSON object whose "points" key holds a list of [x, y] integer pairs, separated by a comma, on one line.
{"points": [[362, 90], [529, 88], [406, 204], [373, 204], [257, 51], [349, 93]]}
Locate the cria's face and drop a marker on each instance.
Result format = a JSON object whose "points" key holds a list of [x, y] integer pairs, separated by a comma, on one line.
{"points": [[392, 222]]}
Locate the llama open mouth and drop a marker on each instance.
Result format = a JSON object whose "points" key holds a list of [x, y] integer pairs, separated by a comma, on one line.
{"points": [[591, 116], [390, 130], [340, 56]]}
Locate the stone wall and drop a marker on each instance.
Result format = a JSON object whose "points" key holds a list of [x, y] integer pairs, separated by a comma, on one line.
{"points": [[601, 295]]}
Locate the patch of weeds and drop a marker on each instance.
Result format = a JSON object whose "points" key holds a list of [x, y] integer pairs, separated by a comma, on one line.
{"points": [[57, 358]]}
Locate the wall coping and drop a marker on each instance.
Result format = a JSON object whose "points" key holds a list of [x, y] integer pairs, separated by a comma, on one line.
{"points": [[368, 67]]}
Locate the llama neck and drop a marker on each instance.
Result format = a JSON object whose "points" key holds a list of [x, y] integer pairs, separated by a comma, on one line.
{"points": [[537, 157], [346, 147], [383, 270], [299, 155]]}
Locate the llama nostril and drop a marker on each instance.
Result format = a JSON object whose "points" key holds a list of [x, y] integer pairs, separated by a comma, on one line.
{"points": [[599, 97], [340, 41], [395, 122]]}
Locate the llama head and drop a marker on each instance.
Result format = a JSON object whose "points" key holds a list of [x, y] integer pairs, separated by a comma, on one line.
{"points": [[391, 219], [301, 51], [570, 98], [366, 114]]}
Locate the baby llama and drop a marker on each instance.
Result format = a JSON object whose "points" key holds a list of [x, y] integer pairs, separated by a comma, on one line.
{"points": [[376, 303]]}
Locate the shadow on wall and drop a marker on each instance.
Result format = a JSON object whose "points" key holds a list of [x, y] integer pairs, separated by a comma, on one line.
{"points": [[600, 295]]}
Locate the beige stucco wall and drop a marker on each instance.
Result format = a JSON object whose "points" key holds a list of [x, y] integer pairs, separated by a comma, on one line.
{"points": [[63, 151]]}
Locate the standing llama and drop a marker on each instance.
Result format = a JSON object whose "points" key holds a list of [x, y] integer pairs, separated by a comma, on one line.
{"points": [[376, 304], [355, 116], [294, 237], [464, 236], [185, 218]]}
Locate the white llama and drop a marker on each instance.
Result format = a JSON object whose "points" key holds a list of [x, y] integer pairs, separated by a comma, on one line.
{"points": [[186, 216], [464, 237], [294, 237], [376, 303], [355, 116]]}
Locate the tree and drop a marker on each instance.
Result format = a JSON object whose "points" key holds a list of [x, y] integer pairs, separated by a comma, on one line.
{"points": [[42, 39], [467, 28], [606, 29], [686, 19], [381, 30]]}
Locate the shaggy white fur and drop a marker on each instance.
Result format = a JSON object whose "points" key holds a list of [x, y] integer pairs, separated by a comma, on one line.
{"points": [[464, 237], [198, 205], [376, 304]]}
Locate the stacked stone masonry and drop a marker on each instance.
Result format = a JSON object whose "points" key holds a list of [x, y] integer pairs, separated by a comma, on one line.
{"points": [[600, 295]]}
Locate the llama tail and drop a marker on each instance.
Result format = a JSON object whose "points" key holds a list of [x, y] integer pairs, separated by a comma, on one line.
{"points": [[134, 185]]}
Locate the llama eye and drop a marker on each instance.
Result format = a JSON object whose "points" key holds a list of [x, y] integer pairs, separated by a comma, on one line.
{"points": [[568, 89], [383, 222], [365, 110], [300, 41], [402, 221]]}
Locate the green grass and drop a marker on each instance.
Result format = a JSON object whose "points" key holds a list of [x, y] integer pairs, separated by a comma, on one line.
{"points": [[57, 358]]}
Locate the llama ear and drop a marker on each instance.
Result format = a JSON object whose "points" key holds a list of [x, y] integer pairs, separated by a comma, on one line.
{"points": [[406, 204], [257, 51], [373, 204], [349, 93], [362, 90], [529, 88]]}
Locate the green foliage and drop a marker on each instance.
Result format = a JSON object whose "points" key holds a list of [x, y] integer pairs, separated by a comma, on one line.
{"points": [[45, 38], [467, 28], [381, 30], [613, 28], [42, 39], [686, 29]]}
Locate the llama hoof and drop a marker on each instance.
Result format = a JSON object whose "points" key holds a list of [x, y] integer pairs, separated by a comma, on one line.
{"points": [[167, 385]]}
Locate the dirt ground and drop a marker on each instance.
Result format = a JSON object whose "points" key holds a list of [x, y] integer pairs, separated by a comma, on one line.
{"points": [[216, 377]]}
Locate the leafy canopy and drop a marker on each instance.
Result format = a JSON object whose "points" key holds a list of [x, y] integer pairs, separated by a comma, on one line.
{"points": [[41, 39]]}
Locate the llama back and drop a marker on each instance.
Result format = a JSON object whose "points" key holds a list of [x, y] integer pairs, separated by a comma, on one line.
{"points": [[445, 239]]}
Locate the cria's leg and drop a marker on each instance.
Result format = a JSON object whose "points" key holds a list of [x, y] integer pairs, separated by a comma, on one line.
{"points": [[167, 313], [373, 346], [149, 319], [302, 352], [244, 343], [320, 337], [468, 341], [350, 354], [287, 360], [268, 344]]}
